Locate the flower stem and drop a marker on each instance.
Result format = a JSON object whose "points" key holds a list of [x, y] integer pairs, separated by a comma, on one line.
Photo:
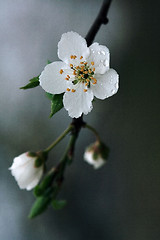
{"points": [[93, 130], [59, 138]]}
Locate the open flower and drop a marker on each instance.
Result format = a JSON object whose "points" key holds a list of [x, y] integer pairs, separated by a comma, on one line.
{"points": [[26, 171], [96, 154], [82, 74]]}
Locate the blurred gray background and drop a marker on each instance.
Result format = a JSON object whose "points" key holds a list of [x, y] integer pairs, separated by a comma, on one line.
{"points": [[121, 200]]}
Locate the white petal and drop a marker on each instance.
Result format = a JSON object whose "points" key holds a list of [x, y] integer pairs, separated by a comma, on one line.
{"points": [[51, 80], [24, 171], [107, 84], [72, 43], [88, 157], [99, 54], [78, 102]]}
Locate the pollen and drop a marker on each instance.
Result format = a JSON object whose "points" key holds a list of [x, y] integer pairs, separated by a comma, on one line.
{"points": [[95, 81], [61, 71], [81, 57], [68, 89], [85, 90], [71, 65], [73, 90], [92, 63], [93, 69]]}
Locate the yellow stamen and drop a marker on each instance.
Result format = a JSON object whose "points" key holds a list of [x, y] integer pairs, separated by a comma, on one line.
{"points": [[93, 69], [92, 63], [79, 77], [73, 90], [95, 81], [86, 84], [71, 56], [74, 72], [61, 71], [77, 67], [81, 62], [85, 90], [71, 65], [89, 71], [85, 63], [81, 57], [82, 75], [87, 80], [74, 57], [68, 89], [86, 72], [68, 76]]}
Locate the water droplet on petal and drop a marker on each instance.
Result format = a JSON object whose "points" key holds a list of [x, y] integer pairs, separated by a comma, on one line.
{"points": [[103, 52], [98, 52]]}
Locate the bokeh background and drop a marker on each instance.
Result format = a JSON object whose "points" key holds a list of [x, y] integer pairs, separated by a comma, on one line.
{"points": [[121, 200]]}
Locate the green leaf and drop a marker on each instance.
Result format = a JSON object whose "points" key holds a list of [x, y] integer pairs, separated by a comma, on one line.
{"points": [[48, 62], [34, 82], [39, 206], [56, 103], [58, 204], [49, 95]]}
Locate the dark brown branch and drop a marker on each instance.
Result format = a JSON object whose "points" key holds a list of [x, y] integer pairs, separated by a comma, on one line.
{"points": [[101, 19]]}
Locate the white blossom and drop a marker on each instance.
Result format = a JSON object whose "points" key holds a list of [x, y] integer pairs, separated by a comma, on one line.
{"points": [[25, 172], [96, 154], [82, 73]]}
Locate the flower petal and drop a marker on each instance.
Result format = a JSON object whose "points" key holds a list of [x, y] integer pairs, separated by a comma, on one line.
{"points": [[107, 84], [99, 54], [78, 102], [72, 43], [52, 81]]}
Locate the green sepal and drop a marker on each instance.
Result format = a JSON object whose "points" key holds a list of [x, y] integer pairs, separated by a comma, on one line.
{"points": [[56, 103], [58, 204], [38, 162], [39, 206], [34, 82], [104, 150], [48, 62], [44, 186]]}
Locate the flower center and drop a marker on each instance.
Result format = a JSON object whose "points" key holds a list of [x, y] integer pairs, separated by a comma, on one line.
{"points": [[83, 73]]}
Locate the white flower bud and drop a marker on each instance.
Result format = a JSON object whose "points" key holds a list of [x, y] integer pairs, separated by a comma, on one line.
{"points": [[96, 154], [25, 171]]}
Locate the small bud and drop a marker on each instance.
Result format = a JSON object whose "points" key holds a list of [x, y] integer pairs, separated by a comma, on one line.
{"points": [[27, 169], [96, 154]]}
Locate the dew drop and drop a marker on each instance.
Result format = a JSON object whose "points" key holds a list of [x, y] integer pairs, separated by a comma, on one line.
{"points": [[113, 91], [103, 52]]}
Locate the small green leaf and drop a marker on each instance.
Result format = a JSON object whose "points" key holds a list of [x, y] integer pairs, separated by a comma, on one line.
{"points": [[39, 206], [49, 95], [56, 103], [34, 82], [58, 204]]}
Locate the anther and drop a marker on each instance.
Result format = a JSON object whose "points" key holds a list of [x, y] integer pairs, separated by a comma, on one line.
{"points": [[81, 62], [61, 71], [92, 63], [68, 89], [85, 90], [73, 90], [71, 65], [74, 72], [85, 63], [93, 69], [81, 57], [68, 76], [71, 56], [85, 72]]}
